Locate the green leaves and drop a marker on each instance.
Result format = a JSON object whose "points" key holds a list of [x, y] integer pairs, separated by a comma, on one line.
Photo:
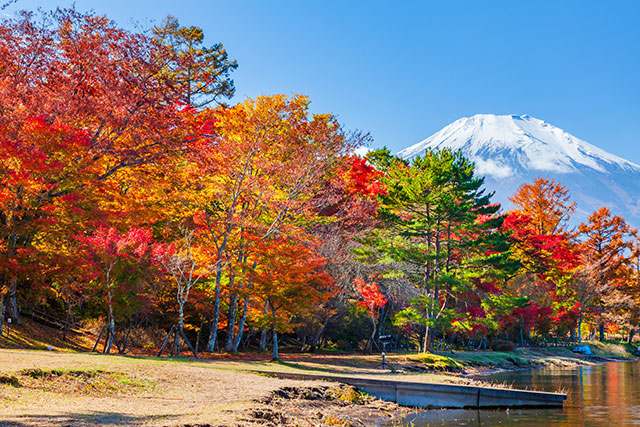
{"points": [[199, 73], [439, 232]]}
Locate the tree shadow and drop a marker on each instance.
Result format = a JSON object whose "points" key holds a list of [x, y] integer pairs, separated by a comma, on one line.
{"points": [[303, 367], [82, 419]]}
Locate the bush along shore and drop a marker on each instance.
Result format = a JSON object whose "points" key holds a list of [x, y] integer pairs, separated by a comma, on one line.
{"points": [[469, 363]]}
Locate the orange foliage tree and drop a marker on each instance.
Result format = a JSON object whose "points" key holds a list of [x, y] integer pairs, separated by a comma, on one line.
{"points": [[547, 203], [291, 277], [251, 170], [607, 245]]}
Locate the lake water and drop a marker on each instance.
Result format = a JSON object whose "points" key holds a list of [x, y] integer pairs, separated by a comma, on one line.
{"points": [[602, 395]]}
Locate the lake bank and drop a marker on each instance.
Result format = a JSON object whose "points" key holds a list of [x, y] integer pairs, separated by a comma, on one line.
{"points": [[597, 395], [479, 363], [457, 367], [56, 388]]}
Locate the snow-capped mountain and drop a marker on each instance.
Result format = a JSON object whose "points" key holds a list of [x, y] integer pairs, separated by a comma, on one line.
{"points": [[511, 150]]}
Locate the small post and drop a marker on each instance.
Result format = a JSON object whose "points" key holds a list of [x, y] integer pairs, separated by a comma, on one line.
{"points": [[384, 340], [8, 326]]}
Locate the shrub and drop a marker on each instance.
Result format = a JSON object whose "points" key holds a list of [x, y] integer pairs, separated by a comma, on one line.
{"points": [[503, 345]]}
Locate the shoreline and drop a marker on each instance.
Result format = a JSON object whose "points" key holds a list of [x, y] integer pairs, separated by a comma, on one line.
{"points": [[598, 360], [373, 405], [477, 364], [229, 391]]}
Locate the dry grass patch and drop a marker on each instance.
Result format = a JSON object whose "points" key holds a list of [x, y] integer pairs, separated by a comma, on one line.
{"points": [[10, 380], [96, 382]]}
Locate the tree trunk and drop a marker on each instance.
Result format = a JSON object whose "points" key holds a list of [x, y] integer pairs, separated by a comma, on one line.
{"points": [[434, 315], [198, 337], [166, 340], [126, 337], [425, 340], [383, 317], [12, 306], [373, 336], [216, 316], [231, 323], [111, 325], [263, 335], [193, 350], [175, 343], [106, 338], [275, 345], [180, 331], [263, 341], [318, 334], [632, 332], [275, 335], [243, 319], [580, 329], [601, 331], [111, 330], [245, 309], [3, 308], [210, 340]]}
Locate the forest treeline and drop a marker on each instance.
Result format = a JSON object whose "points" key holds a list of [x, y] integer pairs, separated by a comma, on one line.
{"points": [[134, 199]]}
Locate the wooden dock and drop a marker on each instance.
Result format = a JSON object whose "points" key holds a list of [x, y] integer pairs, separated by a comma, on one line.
{"points": [[428, 395]]}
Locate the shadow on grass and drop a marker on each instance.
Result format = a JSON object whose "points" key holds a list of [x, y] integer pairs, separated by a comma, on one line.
{"points": [[82, 419], [300, 366], [328, 368]]}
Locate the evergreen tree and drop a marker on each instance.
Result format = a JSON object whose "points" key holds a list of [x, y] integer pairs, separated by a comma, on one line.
{"points": [[438, 230]]}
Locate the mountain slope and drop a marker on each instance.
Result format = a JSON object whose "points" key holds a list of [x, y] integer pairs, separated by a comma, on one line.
{"points": [[510, 150]]}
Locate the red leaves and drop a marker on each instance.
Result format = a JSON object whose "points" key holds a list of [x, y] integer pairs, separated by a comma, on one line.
{"points": [[476, 312], [107, 245], [371, 297], [532, 315], [546, 251], [566, 318], [362, 178]]}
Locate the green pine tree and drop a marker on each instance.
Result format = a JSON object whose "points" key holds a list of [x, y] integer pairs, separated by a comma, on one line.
{"points": [[438, 230]]}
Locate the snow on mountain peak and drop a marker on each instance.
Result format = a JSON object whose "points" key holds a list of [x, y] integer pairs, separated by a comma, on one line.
{"points": [[500, 145], [510, 150]]}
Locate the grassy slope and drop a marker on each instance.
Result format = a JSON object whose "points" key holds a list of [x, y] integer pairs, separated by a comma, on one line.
{"points": [[32, 335]]}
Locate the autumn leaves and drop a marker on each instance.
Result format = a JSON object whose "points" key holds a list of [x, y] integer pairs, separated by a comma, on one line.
{"points": [[133, 193], [130, 193]]}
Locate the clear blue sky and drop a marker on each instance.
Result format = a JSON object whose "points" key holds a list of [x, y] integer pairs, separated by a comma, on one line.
{"points": [[402, 70]]}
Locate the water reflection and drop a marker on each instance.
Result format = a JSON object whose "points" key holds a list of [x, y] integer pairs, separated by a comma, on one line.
{"points": [[602, 395]]}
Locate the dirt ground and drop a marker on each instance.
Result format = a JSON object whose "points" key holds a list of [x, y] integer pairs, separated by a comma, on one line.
{"points": [[39, 388], [71, 387]]}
